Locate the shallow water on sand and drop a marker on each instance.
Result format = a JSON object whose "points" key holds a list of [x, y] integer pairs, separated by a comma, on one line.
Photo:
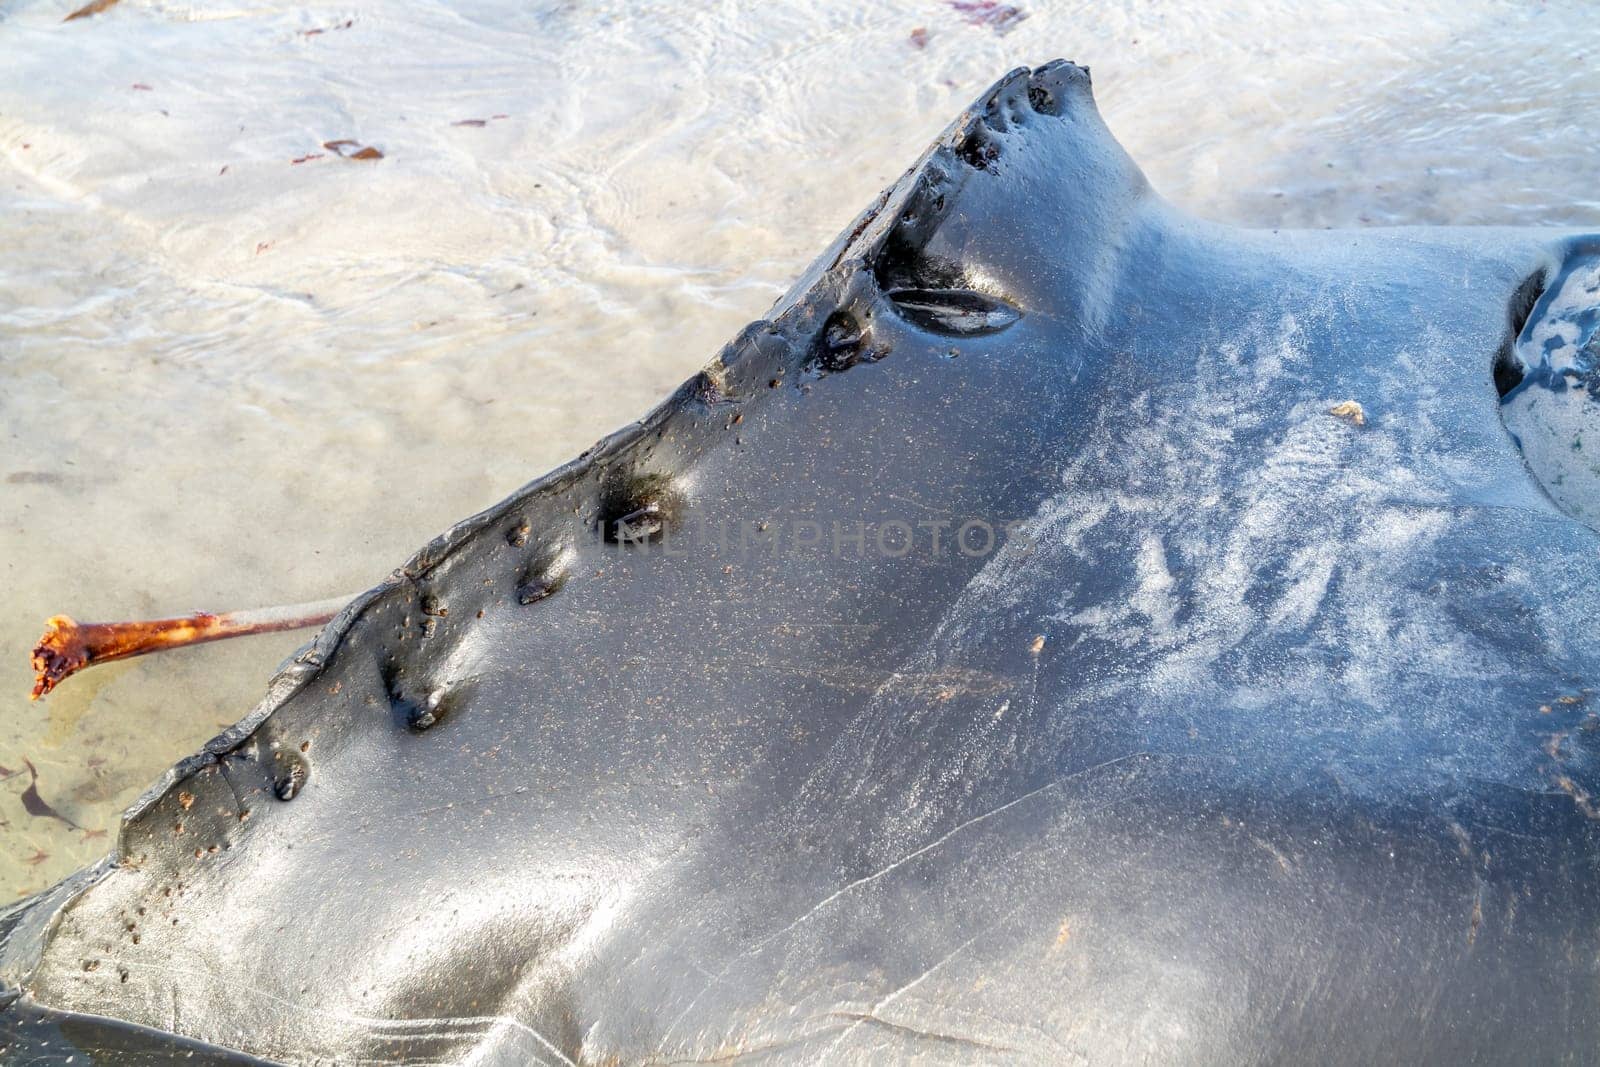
{"points": [[240, 369]]}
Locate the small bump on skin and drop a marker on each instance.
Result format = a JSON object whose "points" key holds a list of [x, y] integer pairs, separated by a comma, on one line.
{"points": [[291, 776], [635, 509], [427, 714], [841, 341], [641, 524], [535, 589], [1050, 86], [841, 332], [417, 715], [978, 150], [704, 388]]}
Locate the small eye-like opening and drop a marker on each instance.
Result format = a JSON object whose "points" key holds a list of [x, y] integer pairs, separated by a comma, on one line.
{"points": [[954, 312]]}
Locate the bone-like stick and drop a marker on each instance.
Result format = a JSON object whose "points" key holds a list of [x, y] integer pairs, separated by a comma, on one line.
{"points": [[69, 646]]}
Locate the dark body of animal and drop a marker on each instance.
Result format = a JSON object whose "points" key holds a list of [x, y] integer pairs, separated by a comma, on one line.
{"points": [[1063, 630]]}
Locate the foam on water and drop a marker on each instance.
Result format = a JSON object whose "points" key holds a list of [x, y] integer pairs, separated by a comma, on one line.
{"points": [[234, 379]]}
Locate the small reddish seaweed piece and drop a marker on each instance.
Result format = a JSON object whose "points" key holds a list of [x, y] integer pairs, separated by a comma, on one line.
{"points": [[347, 149], [94, 7], [1002, 18]]}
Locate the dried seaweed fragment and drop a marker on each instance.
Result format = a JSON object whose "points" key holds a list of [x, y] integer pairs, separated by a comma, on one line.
{"points": [[94, 7], [347, 149], [1001, 18], [67, 646]]}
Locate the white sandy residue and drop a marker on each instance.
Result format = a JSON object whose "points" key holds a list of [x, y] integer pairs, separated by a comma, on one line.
{"points": [[233, 379]]}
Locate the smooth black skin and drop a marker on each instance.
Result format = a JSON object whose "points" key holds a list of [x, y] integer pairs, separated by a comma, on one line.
{"points": [[1236, 753]]}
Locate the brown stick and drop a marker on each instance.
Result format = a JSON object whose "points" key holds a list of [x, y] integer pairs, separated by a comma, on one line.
{"points": [[69, 646]]}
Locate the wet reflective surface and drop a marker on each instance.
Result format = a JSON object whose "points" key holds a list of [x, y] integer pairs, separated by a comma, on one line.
{"points": [[1269, 730], [575, 206]]}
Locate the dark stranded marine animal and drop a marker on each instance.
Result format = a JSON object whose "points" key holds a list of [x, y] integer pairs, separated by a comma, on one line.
{"points": [[1261, 727]]}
